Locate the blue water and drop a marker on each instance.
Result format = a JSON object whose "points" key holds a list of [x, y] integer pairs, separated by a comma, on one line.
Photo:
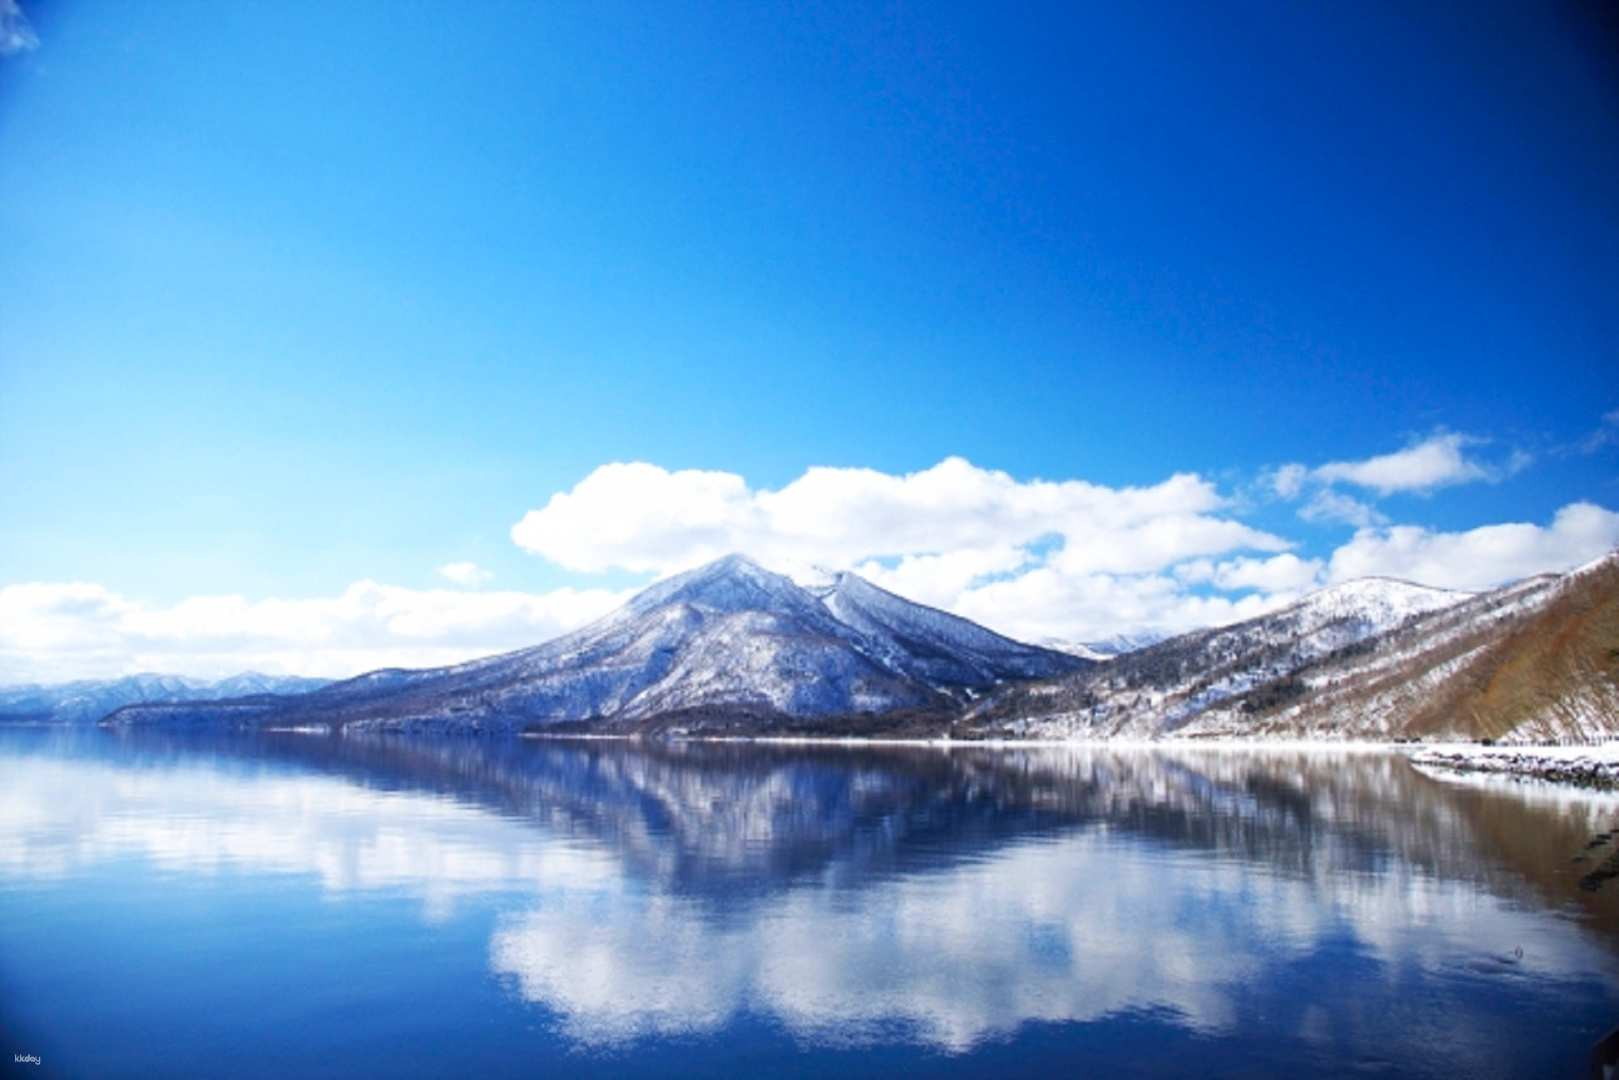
{"points": [[264, 905]]}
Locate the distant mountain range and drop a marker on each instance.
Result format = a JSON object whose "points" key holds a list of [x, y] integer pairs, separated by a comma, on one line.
{"points": [[728, 647], [1109, 647], [89, 700], [733, 649]]}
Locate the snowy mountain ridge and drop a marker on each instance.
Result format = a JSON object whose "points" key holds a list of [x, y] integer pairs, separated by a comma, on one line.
{"points": [[1380, 602], [1370, 659], [1107, 648], [1156, 690], [934, 646], [88, 700], [731, 648], [729, 637]]}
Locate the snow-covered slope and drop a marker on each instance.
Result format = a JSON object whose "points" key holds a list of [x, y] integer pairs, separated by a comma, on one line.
{"points": [[1369, 605], [938, 648], [1162, 688], [1534, 661], [727, 637], [731, 647], [88, 700]]}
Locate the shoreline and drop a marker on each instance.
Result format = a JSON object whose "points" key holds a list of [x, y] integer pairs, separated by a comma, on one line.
{"points": [[855, 741], [1593, 767], [1590, 767], [1582, 766]]}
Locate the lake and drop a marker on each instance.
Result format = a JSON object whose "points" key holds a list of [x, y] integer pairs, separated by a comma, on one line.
{"points": [[255, 905]]}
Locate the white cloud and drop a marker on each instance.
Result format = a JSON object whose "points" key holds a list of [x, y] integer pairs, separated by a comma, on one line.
{"points": [[1195, 571], [1606, 434], [1281, 573], [1034, 559], [643, 518], [940, 579], [469, 574], [1030, 558], [1437, 461], [1046, 604], [1440, 460], [1479, 558], [15, 34], [1287, 481], [1329, 505], [51, 632]]}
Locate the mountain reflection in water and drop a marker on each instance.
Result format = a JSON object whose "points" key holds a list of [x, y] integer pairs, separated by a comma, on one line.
{"points": [[1334, 910]]}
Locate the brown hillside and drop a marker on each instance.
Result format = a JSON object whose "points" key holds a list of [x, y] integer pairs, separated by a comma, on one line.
{"points": [[1553, 675]]}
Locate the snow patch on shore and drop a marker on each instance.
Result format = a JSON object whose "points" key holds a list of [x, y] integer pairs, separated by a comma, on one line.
{"points": [[1594, 766]]}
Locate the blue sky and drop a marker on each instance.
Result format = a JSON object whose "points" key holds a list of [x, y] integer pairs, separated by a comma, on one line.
{"points": [[297, 296]]}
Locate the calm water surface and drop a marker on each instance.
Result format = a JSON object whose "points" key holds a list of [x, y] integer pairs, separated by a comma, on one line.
{"points": [[260, 905]]}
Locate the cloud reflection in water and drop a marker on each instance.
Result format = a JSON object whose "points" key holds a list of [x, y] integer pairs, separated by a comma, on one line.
{"points": [[863, 897]]}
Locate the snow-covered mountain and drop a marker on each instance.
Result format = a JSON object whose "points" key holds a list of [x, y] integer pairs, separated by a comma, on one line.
{"points": [[1534, 661], [933, 646], [1374, 659], [735, 649], [1109, 647], [88, 700], [728, 639], [1162, 688]]}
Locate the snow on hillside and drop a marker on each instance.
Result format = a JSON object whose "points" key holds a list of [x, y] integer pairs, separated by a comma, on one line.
{"points": [[941, 649], [88, 700], [730, 635], [1372, 693], [734, 644], [1375, 602], [1162, 688]]}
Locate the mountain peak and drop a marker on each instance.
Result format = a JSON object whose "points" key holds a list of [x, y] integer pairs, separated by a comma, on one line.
{"points": [[730, 583], [847, 581], [734, 566], [734, 563]]}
